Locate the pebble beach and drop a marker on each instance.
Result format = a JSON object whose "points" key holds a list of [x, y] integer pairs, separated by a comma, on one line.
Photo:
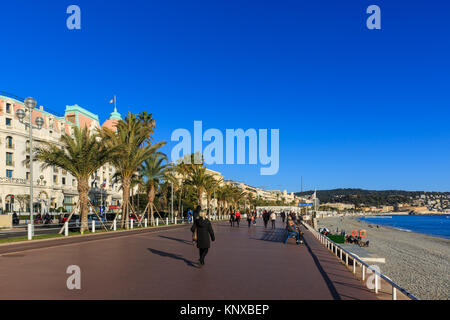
{"points": [[419, 263]]}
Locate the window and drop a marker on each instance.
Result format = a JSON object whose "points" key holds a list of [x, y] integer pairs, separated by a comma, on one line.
{"points": [[9, 173], [9, 161], [55, 179], [28, 176], [28, 162], [9, 142], [74, 182], [63, 181], [68, 203], [8, 107], [8, 122], [27, 146]]}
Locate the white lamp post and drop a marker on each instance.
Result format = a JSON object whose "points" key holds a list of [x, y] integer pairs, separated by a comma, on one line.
{"points": [[30, 104], [171, 199]]}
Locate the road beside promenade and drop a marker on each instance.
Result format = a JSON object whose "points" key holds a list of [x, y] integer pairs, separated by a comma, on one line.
{"points": [[242, 264]]}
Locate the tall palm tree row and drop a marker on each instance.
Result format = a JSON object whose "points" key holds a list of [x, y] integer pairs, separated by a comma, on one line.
{"points": [[81, 154], [133, 138], [198, 179], [154, 171]]}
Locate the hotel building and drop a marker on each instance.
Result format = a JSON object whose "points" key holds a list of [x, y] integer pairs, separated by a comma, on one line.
{"points": [[53, 188]]}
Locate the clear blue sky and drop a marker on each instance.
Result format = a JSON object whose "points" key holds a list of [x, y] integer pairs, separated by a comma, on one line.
{"points": [[355, 107]]}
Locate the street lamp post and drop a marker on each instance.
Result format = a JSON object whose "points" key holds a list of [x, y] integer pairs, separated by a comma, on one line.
{"points": [[30, 104], [171, 199]]}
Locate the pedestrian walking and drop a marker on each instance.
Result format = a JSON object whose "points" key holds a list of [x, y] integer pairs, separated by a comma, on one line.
{"points": [[250, 219], [203, 228], [238, 218], [232, 219], [190, 214], [273, 218], [265, 217]]}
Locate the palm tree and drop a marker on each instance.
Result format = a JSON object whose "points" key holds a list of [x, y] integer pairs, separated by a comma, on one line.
{"points": [[182, 170], [224, 196], [198, 179], [154, 172], [211, 186], [82, 154], [236, 196], [132, 136], [175, 178]]}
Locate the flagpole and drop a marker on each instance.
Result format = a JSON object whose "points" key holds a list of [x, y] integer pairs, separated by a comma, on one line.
{"points": [[315, 202], [115, 103]]}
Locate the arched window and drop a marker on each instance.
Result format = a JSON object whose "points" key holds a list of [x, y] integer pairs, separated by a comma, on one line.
{"points": [[9, 142]]}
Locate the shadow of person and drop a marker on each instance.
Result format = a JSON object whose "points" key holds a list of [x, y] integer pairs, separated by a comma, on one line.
{"points": [[177, 239], [173, 256]]}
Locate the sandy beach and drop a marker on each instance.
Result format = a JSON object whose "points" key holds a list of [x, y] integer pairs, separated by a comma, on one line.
{"points": [[418, 262]]}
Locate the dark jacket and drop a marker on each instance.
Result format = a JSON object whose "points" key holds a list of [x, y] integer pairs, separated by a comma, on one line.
{"points": [[204, 232]]}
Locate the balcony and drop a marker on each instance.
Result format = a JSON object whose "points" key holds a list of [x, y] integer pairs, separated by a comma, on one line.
{"points": [[10, 163], [10, 146]]}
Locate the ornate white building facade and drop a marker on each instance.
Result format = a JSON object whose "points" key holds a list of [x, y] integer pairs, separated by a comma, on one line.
{"points": [[53, 188]]}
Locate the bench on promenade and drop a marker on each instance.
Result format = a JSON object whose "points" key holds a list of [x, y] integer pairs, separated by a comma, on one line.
{"points": [[293, 235]]}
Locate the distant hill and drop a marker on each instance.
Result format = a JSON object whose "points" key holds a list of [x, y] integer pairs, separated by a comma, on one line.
{"points": [[368, 197]]}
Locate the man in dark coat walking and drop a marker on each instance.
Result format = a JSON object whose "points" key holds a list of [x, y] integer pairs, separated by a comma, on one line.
{"points": [[266, 217], [204, 233]]}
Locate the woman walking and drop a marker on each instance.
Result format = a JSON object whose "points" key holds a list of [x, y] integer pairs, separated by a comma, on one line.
{"points": [[232, 219], [265, 217], [204, 232], [273, 218], [238, 217], [250, 218]]}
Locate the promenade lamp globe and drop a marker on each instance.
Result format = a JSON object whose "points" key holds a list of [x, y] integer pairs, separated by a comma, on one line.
{"points": [[30, 103], [39, 122], [20, 114]]}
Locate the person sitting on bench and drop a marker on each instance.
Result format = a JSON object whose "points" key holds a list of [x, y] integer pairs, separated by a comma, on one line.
{"points": [[292, 231]]}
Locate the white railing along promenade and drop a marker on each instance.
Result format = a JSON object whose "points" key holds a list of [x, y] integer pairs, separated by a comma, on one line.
{"points": [[97, 225], [334, 247]]}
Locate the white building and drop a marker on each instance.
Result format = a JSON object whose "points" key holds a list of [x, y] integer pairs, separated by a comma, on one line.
{"points": [[52, 188]]}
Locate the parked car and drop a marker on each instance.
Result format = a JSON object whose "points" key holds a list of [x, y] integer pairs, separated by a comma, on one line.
{"points": [[63, 218], [110, 216], [91, 218], [38, 219]]}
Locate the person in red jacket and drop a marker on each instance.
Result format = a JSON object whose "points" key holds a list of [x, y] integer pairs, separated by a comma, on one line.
{"points": [[238, 217]]}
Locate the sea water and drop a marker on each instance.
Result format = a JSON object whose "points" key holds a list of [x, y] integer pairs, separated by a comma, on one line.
{"points": [[433, 225]]}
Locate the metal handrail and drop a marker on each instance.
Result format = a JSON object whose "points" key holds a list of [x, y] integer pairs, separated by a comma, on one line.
{"points": [[355, 258]]}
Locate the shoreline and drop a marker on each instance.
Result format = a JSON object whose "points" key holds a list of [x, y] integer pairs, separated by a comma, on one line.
{"points": [[418, 262], [399, 229]]}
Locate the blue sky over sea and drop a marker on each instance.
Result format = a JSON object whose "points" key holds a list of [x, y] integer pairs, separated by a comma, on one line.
{"points": [[355, 107]]}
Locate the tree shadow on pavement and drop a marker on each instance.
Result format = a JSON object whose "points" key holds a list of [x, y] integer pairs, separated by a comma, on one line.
{"points": [[173, 256], [177, 239], [277, 235]]}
